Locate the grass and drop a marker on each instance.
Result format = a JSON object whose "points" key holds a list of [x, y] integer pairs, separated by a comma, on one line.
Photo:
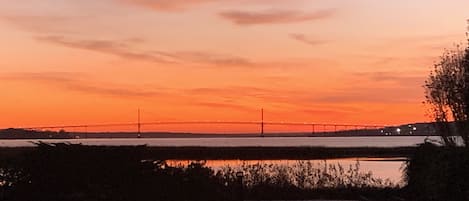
{"points": [[75, 172]]}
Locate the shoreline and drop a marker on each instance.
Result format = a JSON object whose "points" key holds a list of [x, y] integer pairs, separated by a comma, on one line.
{"points": [[188, 136], [278, 153], [244, 153]]}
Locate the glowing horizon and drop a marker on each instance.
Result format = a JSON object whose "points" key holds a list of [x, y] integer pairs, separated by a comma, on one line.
{"points": [[68, 62]]}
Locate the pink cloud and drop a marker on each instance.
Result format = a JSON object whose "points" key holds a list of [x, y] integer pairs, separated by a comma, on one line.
{"points": [[274, 16], [305, 39], [167, 5], [124, 49]]}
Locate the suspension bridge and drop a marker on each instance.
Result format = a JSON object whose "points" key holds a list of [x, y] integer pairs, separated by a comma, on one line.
{"points": [[337, 127], [256, 126], [306, 127]]}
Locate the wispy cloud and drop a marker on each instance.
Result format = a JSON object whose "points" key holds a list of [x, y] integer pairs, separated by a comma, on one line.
{"points": [[371, 94], [377, 87], [125, 50], [110, 47], [60, 30], [224, 105], [404, 47], [41, 23], [274, 16], [183, 5], [399, 78], [360, 96], [306, 39], [212, 58], [236, 92], [327, 112], [236, 97], [167, 5], [73, 82]]}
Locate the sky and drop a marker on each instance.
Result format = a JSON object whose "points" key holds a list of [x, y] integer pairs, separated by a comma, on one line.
{"points": [[66, 62]]}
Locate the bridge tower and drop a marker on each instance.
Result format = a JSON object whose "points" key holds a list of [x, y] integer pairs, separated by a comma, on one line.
{"points": [[262, 122], [139, 125]]}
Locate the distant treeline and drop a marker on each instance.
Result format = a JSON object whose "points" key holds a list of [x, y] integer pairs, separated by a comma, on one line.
{"points": [[13, 133]]}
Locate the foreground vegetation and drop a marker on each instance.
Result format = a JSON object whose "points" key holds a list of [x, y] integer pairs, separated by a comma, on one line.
{"points": [[438, 173], [76, 172]]}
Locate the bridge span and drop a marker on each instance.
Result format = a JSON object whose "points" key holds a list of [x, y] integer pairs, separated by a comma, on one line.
{"points": [[305, 126]]}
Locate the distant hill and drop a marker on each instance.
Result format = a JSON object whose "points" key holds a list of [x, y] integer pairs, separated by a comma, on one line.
{"points": [[415, 129], [13, 133]]}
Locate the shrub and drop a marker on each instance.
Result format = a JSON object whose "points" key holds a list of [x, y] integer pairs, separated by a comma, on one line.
{"points": [[438, 173]]}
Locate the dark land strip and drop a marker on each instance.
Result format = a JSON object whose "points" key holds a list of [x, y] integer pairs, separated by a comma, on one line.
{"points": [[246, 153]]}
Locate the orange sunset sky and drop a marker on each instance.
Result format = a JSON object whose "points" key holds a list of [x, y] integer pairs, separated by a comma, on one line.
{"points": [[325, 61]]}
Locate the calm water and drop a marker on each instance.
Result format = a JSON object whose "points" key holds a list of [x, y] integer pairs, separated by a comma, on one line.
{"points": [[385, 141]]}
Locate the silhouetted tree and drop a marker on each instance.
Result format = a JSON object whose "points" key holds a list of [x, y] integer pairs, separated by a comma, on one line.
{"points": [[447, 93]]}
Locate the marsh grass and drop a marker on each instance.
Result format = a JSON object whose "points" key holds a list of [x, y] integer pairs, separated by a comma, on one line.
{"points": [[305, 175], [75, 172]]}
